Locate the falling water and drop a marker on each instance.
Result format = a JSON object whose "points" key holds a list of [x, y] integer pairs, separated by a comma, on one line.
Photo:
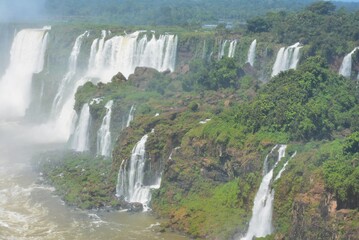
{"points": [[107, 58], [131, 115], [346, 67], [63, 115], [80, 139], [125, 53], [283, 168], [66, 82], [232, 48], [104, 133], [136, 191], [27, 57], [287, 58], [222, 46], [131, 183], [252, 52], [260, 224]]}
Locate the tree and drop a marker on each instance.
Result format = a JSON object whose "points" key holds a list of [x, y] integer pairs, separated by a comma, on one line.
{"points": [[351, 144], [322, 8], [258, 25]]}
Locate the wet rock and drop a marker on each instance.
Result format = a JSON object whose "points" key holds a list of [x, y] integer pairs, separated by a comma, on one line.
{"points": [[142, 76], [118, 78], [135, 207]]}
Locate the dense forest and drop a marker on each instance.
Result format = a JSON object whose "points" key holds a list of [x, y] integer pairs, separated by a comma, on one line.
{"points": [[170, 12]]}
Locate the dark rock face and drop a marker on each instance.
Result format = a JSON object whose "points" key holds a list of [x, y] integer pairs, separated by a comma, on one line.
{"points": [[135, 207], [118, 78], [142, 76]]}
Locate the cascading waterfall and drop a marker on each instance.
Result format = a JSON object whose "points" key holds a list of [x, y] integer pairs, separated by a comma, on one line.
{"points": [[287, 58], [27, 57], [131, 115], [346, 67], [66, 82], [63, 116], [284, 167], [131, 183], [104, 133], [222, 47], [107, 58], [232, 48], [80, 139], [252, 52], [125, 53], [260, 224]]}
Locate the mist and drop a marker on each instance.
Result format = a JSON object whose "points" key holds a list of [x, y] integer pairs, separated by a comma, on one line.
{"points": [[21, 10]]}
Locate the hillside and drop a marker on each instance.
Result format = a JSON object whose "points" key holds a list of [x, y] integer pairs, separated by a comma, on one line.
{"points": [[193, 128]]}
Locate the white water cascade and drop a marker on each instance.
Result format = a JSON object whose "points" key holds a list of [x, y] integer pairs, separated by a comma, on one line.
{"points": [[346, 67], [287, 58], [131, 115], [125, 53], [66, 82], [283, 168], [252, 52], [260, 224], [131, 182], [104, 133], [63, 115], [107, 58], [231, 48], [80, 138], [27, 57], [222, 46]]}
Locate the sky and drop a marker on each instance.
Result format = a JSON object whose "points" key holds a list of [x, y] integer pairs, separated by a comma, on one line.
{"points": [[11, 10]]}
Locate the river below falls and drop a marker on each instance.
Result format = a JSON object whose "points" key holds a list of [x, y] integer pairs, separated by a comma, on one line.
{"points": [[30, 210]]}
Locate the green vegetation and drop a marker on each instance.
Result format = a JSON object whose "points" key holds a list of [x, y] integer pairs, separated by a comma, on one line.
{"points": [[222, 74], [341, 173], [169, 12], [328, 33], [309, 103], [218, 120], [80, 179]]}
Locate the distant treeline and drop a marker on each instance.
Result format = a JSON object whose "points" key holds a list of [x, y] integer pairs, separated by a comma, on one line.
{"points": [[167, 12]]}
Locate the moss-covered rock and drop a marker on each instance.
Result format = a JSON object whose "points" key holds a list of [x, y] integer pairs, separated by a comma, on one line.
{"points": [[80, 179]]}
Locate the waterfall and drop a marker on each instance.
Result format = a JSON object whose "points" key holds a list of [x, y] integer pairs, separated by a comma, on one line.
{"points": [[104, 133], [80, 139], [63, 116], [346, 67], [222, 47], [283, 168], [232, 48], [26, 58], [260, 224], [131, 115], [107, 58], [252, 52], [287, 58], [131, 183], [66, 82], [125, 53]]}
